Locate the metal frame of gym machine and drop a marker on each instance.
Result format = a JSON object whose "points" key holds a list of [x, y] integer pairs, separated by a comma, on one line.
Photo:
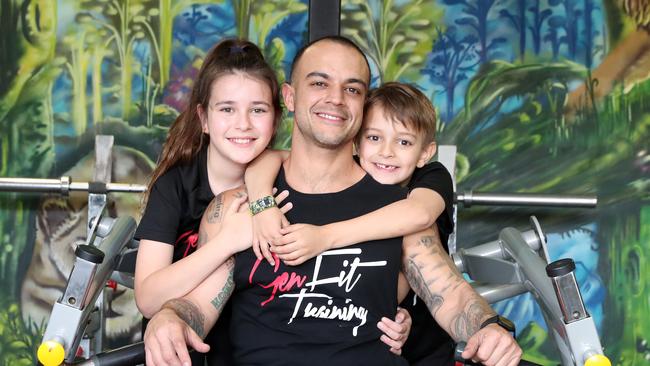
{"points": [[515, 263]]}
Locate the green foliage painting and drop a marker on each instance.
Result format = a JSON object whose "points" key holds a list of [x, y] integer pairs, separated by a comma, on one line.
{"points": [[539, 96]]}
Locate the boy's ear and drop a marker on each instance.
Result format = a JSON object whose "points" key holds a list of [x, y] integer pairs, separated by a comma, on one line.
{"points": [[427, 153], [288, 94], [202, 117]]}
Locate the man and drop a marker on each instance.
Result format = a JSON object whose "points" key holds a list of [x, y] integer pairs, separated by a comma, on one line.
{"points": [[324, 310]]}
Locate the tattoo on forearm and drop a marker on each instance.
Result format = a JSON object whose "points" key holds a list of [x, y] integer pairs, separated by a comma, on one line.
{"points": [[189, 312], [215, 209], [222, 297], [468, 322], [421, 287]]}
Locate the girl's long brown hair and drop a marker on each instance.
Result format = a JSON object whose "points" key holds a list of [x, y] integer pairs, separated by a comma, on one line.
{"points": [[186, 138]]}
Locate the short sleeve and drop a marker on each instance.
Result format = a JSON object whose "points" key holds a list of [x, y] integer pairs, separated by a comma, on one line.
{"points": [[436, 177], [161, 217]]}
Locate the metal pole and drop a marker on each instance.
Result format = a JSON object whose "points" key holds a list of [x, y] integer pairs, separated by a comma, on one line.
{"points": [[469, 199], [62, 186]]}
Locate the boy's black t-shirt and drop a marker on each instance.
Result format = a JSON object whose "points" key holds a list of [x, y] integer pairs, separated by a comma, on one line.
{"points": [[324, 311], [435, 176], [428, 343]]}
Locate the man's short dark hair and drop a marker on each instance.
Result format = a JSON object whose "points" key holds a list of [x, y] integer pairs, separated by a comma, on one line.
{"points": [[334, 38]]}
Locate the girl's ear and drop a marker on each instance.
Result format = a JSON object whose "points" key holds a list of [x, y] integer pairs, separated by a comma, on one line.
{"points": [[202, 117], [427, 153], [288, 95]]}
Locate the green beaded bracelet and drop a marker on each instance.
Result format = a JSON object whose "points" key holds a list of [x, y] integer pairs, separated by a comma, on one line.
{"points": [[262, 204]]}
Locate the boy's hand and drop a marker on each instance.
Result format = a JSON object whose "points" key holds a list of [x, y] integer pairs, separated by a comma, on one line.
{"points": [[396, 332], [267, 225], [300, 242]]}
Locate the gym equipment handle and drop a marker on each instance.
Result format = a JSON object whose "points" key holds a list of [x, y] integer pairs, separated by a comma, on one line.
{"points": [[64, 185], [470, 198], [132, 354]]}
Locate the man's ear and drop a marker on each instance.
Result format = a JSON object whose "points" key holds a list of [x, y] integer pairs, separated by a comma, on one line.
{"points": [[427, 153], [202, 117], [288, 95]]}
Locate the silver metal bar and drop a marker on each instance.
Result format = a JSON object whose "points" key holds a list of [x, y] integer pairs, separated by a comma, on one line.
{"points": [[494, 249], [34, 185], [62, 186], [470, 198], [496, 293]]}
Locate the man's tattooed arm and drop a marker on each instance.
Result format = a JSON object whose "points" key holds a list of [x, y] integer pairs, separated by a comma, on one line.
{"points": [[214, 211], [435, 279], [203, 237], [469, 321], [196, 309], [222, 297], [214, 214], [189, 312]]}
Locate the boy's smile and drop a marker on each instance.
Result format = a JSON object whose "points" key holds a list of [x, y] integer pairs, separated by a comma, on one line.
{"points": [[389, 150]]}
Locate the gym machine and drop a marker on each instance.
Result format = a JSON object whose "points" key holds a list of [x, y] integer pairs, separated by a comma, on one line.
{"points": [[515, 263], [77, 322]]}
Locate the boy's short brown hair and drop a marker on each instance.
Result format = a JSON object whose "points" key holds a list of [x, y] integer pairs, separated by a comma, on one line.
{"points": [[405, 103]]}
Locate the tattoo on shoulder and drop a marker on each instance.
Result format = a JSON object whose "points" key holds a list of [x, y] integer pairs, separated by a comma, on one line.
{"points": [[215, 209], [222, 297], [189, 312], [421, 287]]}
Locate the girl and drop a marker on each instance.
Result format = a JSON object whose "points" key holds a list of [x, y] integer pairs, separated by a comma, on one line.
{"points": [[230, 119]]}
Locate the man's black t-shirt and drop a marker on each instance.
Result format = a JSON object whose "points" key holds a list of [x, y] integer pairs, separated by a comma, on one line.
{"points": [[324, 311], [428, 344]]}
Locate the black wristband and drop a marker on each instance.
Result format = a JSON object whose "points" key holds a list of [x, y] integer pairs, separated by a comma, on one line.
{"points": [[501, 321]]}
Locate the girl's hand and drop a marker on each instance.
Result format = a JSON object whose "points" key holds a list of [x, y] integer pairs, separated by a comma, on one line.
{"points": [[267, 225], [300, 242], [396, 331]]}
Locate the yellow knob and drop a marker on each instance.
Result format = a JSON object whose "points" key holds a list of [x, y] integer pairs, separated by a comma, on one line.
{"points": [[51, 353], [598, 360]]}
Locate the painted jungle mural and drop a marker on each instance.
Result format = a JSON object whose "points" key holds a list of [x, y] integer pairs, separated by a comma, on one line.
{"points": [[540, 96]]}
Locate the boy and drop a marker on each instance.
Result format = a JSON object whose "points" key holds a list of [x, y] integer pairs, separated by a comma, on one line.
{"points": [[396, 141]]}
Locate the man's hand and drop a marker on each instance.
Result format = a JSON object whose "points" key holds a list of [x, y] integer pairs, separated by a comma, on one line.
{"points": [[453, 302], [267, 225], [492, 346], [396, 331], [300, 242], [166, 339]]}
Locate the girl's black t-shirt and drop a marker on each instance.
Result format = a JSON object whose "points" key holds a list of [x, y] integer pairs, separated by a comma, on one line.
{"points": [[175, 206], [173, 214]]}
